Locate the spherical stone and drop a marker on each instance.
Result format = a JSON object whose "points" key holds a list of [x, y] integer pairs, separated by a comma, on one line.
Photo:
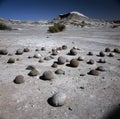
{"points": [[102, 54], [37, 55], [60, 71], [90, 53], [26, 49], [100, 68], [107, 49], [111, 54], [116, 50], [73, 52], [94, 72], [31, 67], [48, 75], [54, 65], [11, 60], [74, 63], [19, 79], [58, 99], [64, 47], [91, 61], [30, 57], [33, 72], [19, 52], [80, 58], [3, 52], [61, 60]]}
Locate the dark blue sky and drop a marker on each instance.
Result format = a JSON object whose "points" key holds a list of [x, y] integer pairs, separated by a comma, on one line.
{"points": [[49, 9]]}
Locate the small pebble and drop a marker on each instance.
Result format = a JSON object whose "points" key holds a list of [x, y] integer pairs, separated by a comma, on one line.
{"points": [[90, 53]]}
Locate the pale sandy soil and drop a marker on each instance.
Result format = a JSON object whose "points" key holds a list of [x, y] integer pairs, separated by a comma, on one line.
{"points": [[100, 95]]}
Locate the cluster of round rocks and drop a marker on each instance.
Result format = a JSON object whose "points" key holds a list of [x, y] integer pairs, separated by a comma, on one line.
{"points": [[59, 98]]}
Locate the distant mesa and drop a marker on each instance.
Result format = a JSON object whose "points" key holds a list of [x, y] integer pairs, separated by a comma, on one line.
{"points": [[70, 17], [72, 14]]}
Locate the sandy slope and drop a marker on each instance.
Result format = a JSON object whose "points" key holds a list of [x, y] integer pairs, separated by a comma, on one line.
{"points": [[29, 100]]}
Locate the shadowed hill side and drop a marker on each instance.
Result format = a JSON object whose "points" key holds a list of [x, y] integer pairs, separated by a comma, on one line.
{"points": [[69, 18]]}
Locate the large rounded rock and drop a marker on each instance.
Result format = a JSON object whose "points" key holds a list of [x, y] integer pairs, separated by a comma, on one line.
{"points": [[74, 63], [80, 58], [26, 49], [73, 51], [54, 52], [64, 47], [111, 54], [93, 72], [19, 52], [37, 55], [116, 50], [19, 79], [54, 65], [11, 60], [61, 60], [102, 61], [3, 52], [101, 54], [91, 61], [60, 71], [47, 58], [107, 49], [47, 75], [33, 72], [30, 67], [58, 99]]}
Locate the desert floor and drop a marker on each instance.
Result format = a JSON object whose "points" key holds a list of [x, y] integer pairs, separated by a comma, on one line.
{"points": [[88, 96]]}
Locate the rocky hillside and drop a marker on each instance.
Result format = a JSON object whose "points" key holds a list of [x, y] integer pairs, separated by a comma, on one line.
{"points": [[70, 18]]}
